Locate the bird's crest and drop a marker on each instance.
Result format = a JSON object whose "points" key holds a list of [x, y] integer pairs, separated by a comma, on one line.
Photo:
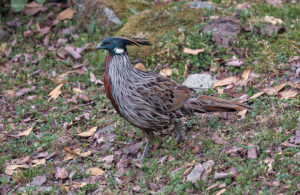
{"points": [[134, 41]]}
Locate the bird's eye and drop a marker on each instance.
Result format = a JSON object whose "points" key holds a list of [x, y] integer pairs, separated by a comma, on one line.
{"points": [[107, 43]]}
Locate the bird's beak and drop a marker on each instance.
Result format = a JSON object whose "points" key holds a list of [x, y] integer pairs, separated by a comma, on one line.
{"points": [[99, 46]]}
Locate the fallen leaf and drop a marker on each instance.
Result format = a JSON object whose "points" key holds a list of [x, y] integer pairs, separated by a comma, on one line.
{"points": [[269, 162], [38, 180], [246, 73], [80, 185], [95, 171], [10, 169], [84, 97], [66, 14], [212, 186], [274, 90], [26, 132], [221, 192], [252, 154], [108, 159], [46, 40], [33, 8], [234, 62], [218, 140], [64, 187], [92, 77], [242, 113], [272, 20], [166, 72], [287, 94], [226, 81], [220, 90], [24, 91], [71, 50], [55, 93], [200, 172], [256, 95], [22, 160], [297, 136], [77, 91], [140, 66], [3, 47], [88, 133], [276, 3], [193, 51], [61, 173], [37, 162]]}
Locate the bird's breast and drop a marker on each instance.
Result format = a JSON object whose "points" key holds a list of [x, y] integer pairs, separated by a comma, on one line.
{"points": [[107, 84]]}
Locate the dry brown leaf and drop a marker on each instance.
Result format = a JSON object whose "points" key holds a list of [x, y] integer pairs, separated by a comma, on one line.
{"points": [[252, 153], [242, 114], [26, 132], [234, 62], [140, 66], [219, 140], [95, 171], [287, 94], [55, 93], [269, 162], [92, 77], [167, 72], [66, 14], [24, 91], [221, 191], [61, 173], [274, 90], [246, 73], [33, 8], [193, 51], [3, 47], [64, 188], [220, 90], [256, 95], [226, 81], [39, 162], [88, 133], [80, 185], [10, 169], [77, 91]]}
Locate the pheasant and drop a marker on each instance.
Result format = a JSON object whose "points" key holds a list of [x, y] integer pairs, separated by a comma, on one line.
{"points": [[150, 101]]}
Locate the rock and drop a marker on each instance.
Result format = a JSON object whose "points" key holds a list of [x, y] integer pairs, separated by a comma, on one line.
{"points": [[199, 82], [3, 34], [106, 14], [200, 172], [201, 5], [224, 30], [112, 17], [93, 12]]}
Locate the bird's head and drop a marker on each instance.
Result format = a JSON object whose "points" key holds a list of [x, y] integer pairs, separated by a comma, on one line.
{"points": [[117, 45]]}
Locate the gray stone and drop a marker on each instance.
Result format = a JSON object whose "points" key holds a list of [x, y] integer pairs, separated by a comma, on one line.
{"points": [[200, 172], [3, 34], [199, 82], [96, 13], [201, 5], [112, 17]]}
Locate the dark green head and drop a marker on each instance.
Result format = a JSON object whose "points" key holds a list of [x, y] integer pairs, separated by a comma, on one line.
{"points": [[117, 45]]}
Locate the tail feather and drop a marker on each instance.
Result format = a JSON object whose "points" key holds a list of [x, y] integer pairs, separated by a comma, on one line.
{"points": [[205, 103]]}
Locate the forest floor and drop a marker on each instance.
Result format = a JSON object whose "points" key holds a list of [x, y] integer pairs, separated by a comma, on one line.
{"points": [[59, 134]]}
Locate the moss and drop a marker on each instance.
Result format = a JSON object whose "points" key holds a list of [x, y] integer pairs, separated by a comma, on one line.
{"points": [[122, 7], [157, 22]]}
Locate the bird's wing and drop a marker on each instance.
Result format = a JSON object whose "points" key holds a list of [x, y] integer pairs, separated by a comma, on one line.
{"points": [[164, 94]]}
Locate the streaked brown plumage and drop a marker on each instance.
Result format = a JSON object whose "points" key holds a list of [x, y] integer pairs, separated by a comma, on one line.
{"points": [[150, 101]]}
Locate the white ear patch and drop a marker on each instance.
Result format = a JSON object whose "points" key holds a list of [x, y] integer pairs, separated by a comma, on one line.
{"points": [[119, 50]]}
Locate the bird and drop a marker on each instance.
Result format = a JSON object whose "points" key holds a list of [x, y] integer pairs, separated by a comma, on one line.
{"points": [[148, 100]]}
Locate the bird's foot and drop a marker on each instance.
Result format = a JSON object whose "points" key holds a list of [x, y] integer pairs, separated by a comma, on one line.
{"points": [[179, 132], [149, 136]]}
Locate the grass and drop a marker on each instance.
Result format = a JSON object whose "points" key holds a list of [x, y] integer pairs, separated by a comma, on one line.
{"points": [[270, 123]]}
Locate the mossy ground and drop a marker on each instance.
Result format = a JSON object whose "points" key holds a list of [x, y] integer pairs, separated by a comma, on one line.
{"points": [[271, 122]]}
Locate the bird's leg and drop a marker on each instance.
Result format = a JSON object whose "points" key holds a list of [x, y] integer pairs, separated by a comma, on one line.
{"points": [[149, 142], [179, 128]]}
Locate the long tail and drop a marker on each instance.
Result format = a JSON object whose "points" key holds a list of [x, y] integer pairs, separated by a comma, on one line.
{"points": [[205, 103]]}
